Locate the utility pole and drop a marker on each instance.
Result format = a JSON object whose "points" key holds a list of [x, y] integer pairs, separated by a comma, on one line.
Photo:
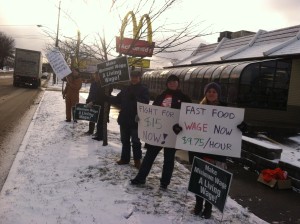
{"points": [[56, 40]]}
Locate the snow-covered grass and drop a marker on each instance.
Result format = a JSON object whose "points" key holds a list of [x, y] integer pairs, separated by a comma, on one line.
{"points": [[61, 175]]}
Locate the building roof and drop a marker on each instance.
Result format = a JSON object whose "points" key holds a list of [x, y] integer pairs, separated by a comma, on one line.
{"points": [[262, 45]]}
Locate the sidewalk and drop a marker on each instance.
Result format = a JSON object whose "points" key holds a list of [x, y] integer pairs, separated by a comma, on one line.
{"points": [[61, 175]]}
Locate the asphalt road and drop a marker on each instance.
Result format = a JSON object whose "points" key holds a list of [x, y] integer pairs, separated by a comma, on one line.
{"points": [[17, 106]]}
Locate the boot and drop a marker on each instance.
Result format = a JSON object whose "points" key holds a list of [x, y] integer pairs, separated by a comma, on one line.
{"points": [[137, 163], [122, 162], [207, 210], [197, 209], [198, 206]]}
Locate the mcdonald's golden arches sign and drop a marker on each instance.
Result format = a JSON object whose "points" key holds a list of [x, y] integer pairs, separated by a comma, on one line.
{"points": [[134, 46]]}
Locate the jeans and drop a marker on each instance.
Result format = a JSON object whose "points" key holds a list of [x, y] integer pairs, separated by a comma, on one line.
{"points": [[128, 134], [168, 167]]}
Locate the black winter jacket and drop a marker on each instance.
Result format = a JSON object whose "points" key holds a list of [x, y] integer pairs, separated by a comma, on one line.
{"points": [[177, 98], [127, 99], [98, 97]]}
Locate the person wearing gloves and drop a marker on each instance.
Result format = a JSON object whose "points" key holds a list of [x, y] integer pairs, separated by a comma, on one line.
{"points": [[172, 97], [212, 93], [71, 92], [97, 96], [127, 100]]}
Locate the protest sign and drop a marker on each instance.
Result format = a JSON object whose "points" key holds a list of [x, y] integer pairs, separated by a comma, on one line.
{"points": [[210, 182], [155, 124], [205, 129], [113, 71], [210, 129], [58, 63], [81, 112]]}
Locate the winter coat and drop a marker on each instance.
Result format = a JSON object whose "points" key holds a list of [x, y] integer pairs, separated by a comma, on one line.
{"points": [[127, 99], [177, 98], [98, 97], [72, 87]]}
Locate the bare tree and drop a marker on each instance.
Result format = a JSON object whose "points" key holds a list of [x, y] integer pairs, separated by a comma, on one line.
{"points": [[169, 37], [7, 45]]}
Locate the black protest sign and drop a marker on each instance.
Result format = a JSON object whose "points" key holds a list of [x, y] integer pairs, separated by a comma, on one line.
{"points": [[81, 112], [210, 182], [113, 71]]}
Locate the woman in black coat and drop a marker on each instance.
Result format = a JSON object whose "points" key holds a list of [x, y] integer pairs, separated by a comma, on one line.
{"points": [[172, 97]]}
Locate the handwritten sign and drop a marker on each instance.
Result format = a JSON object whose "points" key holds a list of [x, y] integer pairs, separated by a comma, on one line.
{"points": [[210, 129], [210, 182], [155, 124], [58, 63], [81, 112], [113, 71]]}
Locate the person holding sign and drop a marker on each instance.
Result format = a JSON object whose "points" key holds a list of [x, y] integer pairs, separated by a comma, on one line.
{"points": [[127, 99], [212, 92], [97, 97], [172, 97], [71, 92]]}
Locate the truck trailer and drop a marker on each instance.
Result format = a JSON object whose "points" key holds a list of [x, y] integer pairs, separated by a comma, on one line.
{"points": [[28, 68]]}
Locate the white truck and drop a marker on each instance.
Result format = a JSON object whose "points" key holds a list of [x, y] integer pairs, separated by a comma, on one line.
{"points": [[28, 68]]}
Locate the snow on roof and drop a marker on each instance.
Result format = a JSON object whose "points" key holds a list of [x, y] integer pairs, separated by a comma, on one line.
{"points": [[263, 44]]}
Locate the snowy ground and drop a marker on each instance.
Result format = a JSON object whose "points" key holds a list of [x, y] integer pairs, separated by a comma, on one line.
{"points": [[61, 175]]}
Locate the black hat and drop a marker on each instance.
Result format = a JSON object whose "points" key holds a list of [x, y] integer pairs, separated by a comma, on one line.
{"points": [[136, 73], [213, 85], [172, 78]]}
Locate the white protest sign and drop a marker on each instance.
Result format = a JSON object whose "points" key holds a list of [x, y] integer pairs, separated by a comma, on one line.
{"points": [[58, 63], [156, 123], [210, 129]]}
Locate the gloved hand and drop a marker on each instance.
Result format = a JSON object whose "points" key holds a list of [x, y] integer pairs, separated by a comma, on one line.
{"points": [[177, 129], [64, 96], [243, 127], [136, 119], [89, 105]]}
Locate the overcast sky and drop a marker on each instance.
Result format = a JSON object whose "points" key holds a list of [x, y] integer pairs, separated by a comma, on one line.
{"points": [[19, 18]]}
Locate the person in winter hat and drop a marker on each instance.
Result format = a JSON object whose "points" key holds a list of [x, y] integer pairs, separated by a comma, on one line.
{"points": [[127, 99], [212, 94], [171, 97]]}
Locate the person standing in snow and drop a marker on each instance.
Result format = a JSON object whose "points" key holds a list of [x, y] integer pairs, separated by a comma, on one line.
{"points": [[89, 102], [212, 93], [71, 92], [127, 99], [172, 97], [98, 97]]}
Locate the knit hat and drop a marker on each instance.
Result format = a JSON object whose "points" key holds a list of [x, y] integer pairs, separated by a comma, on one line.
{"points": [[172, 78], [213, 85]]}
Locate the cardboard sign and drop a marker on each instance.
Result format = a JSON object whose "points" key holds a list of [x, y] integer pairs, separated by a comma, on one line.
{"points": [[210, 129], [113, 71], [58, 63], [210, 182], [81, 112], [155, 124], [205, 129]]}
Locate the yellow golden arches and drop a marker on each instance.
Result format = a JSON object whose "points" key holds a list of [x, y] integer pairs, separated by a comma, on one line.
{"points": [[137, 28]]}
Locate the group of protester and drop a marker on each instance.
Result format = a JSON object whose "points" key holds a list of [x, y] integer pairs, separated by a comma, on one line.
{"points": [[127, 99]]}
